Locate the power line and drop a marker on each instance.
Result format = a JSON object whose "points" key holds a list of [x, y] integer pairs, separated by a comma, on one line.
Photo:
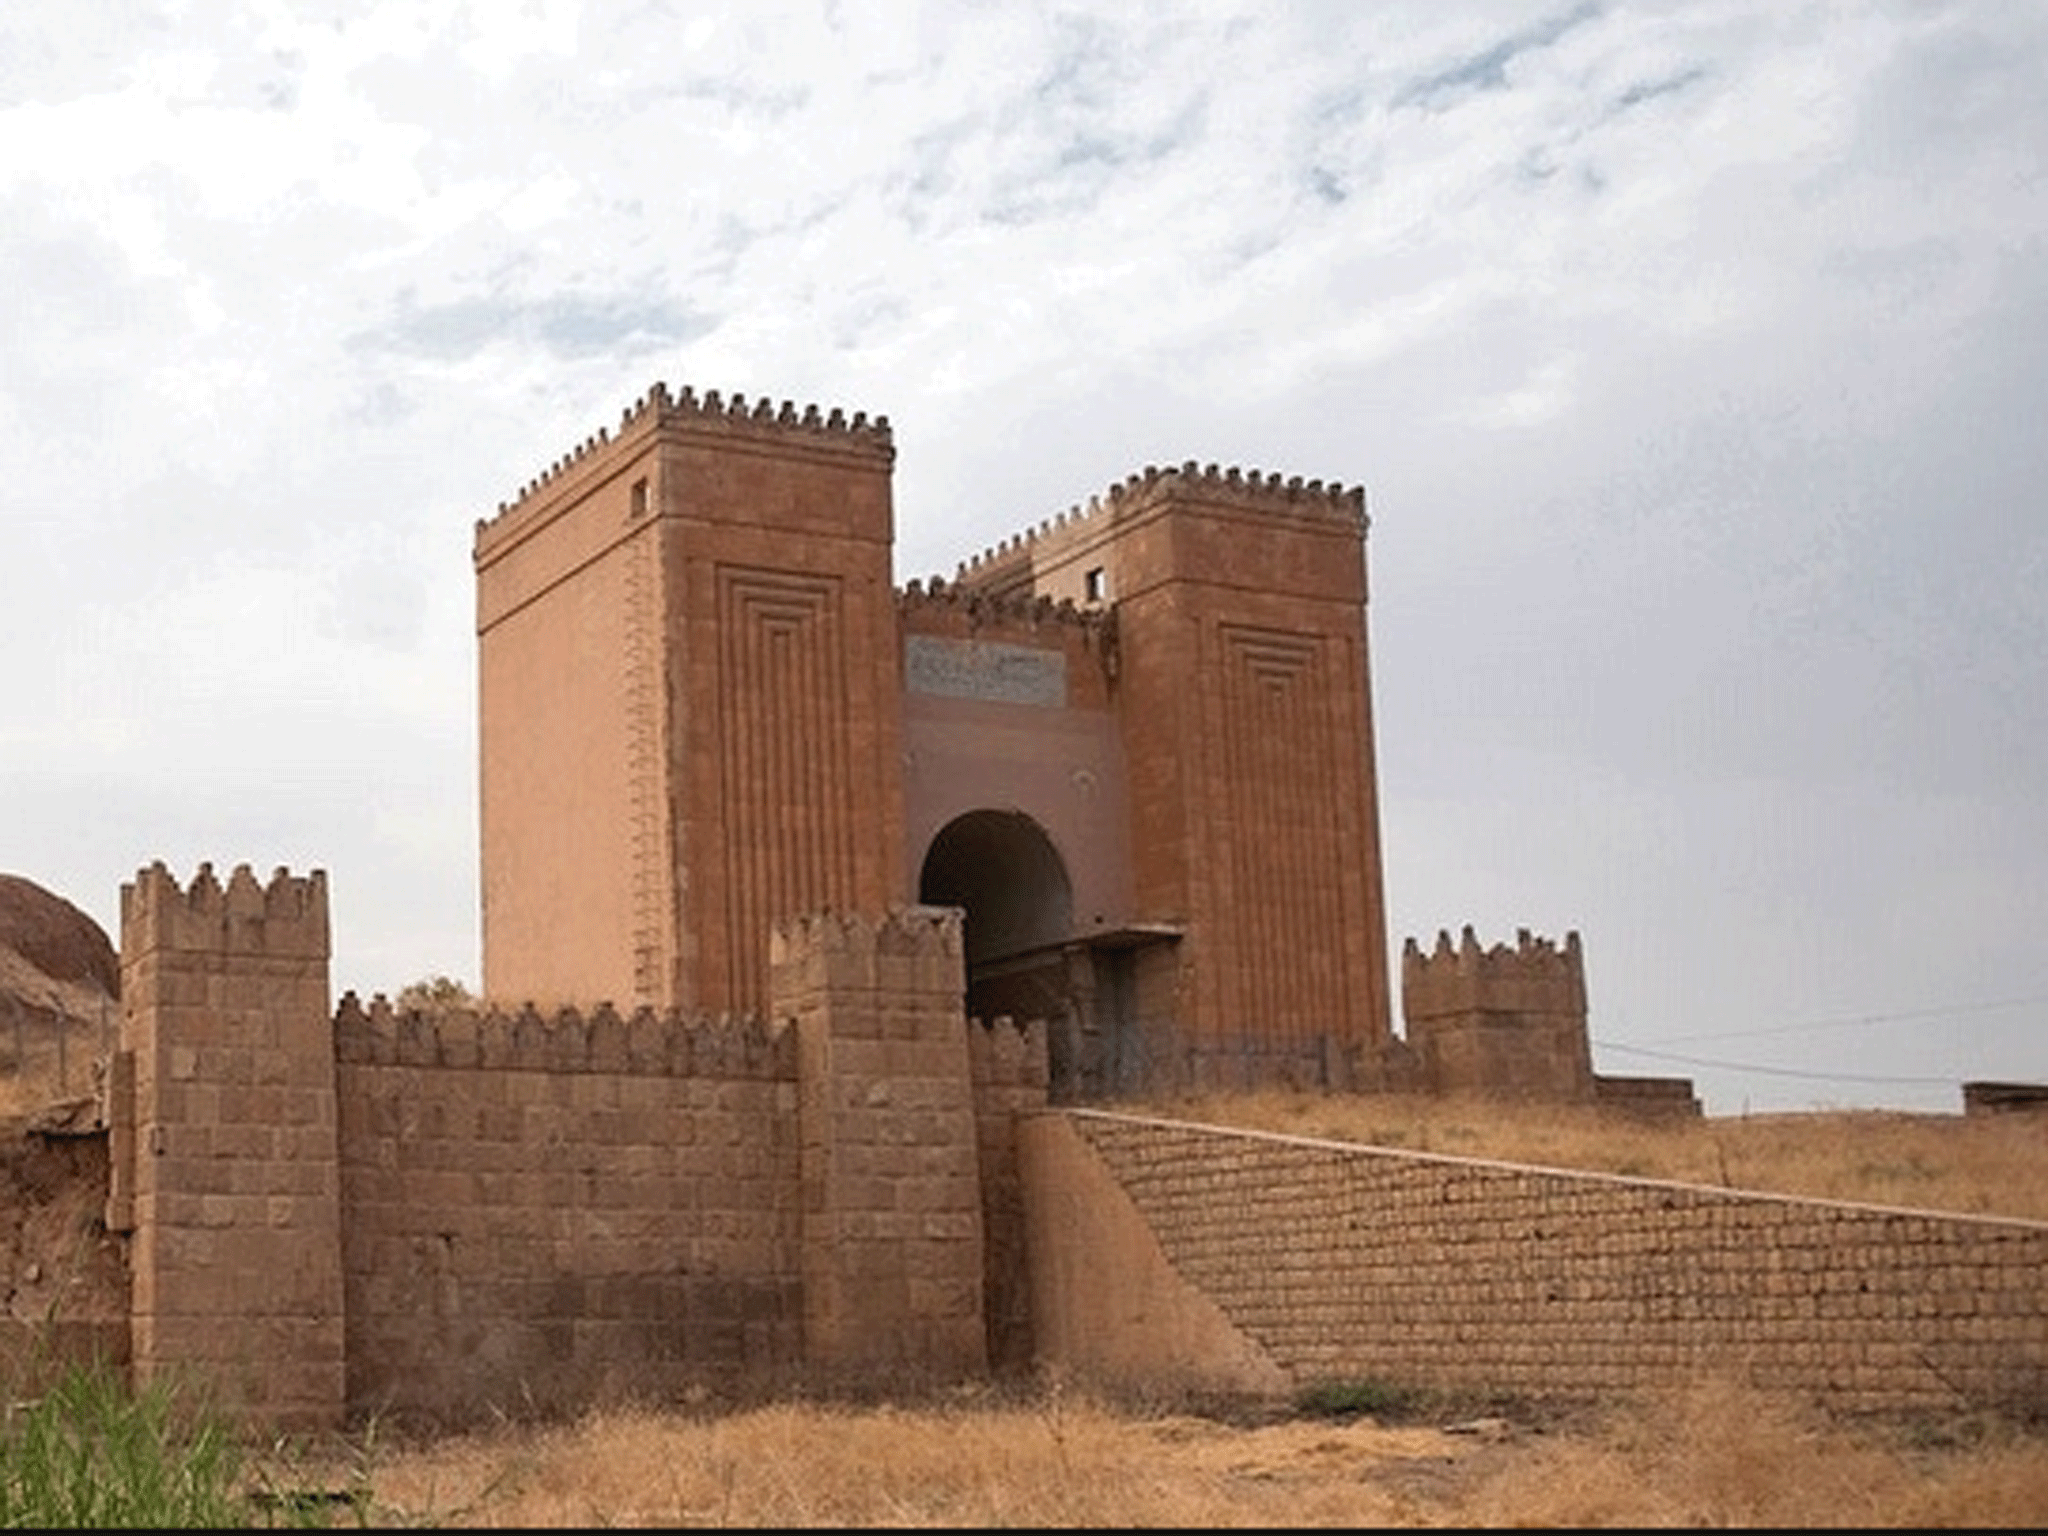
{"points": [[1737, 1066], [1843, 1020]]}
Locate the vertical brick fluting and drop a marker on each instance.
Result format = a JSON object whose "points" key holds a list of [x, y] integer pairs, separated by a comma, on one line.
{"points": [[231, 1180], [688, 696], [1242, 691], [892, 1214]]}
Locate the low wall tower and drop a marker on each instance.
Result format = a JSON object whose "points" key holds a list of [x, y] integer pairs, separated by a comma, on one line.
{"points": [[893, 1237], [226, 1168], [1500, 1021]]}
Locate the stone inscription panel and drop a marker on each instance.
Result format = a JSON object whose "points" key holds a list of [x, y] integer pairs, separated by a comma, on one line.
{"points": [[985, 669]]}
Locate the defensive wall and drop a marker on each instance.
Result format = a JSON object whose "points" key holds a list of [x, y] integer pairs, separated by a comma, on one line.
{"points": [[335, 1214], [1171, 1257], [442, 1217]]}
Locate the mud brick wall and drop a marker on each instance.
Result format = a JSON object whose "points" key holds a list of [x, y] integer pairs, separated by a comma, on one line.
{"points": [[893, 1253], [1328, 1261], [226, 1145], [1007, 1061], [547, 1213], [1499, 1020]]}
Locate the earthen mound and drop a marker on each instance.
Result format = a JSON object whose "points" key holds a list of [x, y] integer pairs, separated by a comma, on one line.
{"points": [[55, 937]]}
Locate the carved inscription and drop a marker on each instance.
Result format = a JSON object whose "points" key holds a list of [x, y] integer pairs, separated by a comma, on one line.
{"points": [[985, 669]]}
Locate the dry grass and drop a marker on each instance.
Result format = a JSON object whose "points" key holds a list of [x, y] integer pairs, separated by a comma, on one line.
{"points": [[1978, 1165], [1708, 1453]]}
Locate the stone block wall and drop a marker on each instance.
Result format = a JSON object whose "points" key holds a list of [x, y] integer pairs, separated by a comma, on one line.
{"points": [[226, 1168], [548, 1212], [447, 1217], [1326, 1261], [891, 1185]]}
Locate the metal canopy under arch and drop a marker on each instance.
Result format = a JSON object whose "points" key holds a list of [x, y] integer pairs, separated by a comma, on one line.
{"points": [[1024, 959]]}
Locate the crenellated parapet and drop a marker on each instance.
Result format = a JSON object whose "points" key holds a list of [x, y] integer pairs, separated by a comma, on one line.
{"points": [[1087, 635], [285, 917], [1536, 976], [734, 413], [1248, 489], [222, 1116], [979, 608], [731, 416], [646, 1042], [910, 932], [590, 446], [1009, 1053], [1499, 1020]]}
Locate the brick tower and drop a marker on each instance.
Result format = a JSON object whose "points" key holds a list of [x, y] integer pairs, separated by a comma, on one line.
{"points": [[225, 1161], [688, 702], [1243, 701], [1509, 1022]]}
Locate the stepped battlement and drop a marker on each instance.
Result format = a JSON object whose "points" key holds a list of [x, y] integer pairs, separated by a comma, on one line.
{"points": [[648, 1042], [1251, 489], [934, 594], [287, 916], [733, 415], [924, 931], [1535, 976], [762, 416]]}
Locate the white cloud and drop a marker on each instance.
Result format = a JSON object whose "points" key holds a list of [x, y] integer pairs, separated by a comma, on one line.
{"points": [[1689, 355]]}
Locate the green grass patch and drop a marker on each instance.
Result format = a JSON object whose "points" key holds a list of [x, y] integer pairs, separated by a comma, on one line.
{"points": [[1350, 1399], [90, 1452]]}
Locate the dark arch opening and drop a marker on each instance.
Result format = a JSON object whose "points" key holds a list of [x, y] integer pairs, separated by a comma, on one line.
{"points": [[1002, 868]]}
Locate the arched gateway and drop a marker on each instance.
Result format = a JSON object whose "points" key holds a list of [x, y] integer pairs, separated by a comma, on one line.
{"points": [[1134, 743], [1023, 957], [1005, 872]]}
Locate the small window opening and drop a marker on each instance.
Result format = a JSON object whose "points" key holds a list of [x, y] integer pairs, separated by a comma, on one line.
{"points": [[639, 499], [1096, 584]]}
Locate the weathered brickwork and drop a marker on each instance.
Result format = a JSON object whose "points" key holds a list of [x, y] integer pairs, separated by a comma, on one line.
{"points": [[1337, 1262], [705, 708], [1008, 1064], [1499, 1020], [1117, 778], [1509, 1022], [442, 1217], [550, 1212], [228, 1175], [892, 1221]]}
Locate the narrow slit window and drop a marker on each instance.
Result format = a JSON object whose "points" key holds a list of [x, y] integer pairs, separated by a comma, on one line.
{"points": [[1096, 585]]}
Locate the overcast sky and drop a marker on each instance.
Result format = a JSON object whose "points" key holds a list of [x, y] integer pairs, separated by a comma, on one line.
{"points": [[1693, 357]]}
